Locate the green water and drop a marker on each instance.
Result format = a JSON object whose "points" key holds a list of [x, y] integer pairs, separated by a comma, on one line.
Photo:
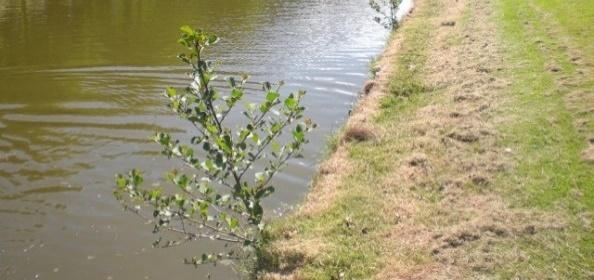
{"points": [[80, 84]]}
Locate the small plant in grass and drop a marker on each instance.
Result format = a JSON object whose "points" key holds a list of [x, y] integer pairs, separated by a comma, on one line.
{"points": [[374, 67], [387, 12], [221, 199]]}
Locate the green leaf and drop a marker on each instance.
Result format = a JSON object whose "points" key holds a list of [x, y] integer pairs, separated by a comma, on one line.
{"points": [[298, 135], [276, 127], [181, 181], [203, 210], [265, 107], [236, 94], [271, 96], [232, 223], [212, 39], [121, 181], [136, 177], [182, 42], [291, 102], [208, 165], [275, 147], [154, 194], [162, 138], [187, 30], [257, 211], [265, 192], [260, 177], [171, 92], [225, 143], [212, 128], [255, 137]]}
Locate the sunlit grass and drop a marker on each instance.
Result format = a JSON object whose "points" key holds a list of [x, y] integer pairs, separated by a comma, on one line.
{"points": [[550, 173]]}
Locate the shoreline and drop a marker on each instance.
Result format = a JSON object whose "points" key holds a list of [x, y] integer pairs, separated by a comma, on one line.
{"points": [[467, 157], [359, 127]]}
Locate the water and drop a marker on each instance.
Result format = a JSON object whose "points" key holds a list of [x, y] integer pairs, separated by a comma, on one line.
{"points": [[80, 84], [405, 7]]}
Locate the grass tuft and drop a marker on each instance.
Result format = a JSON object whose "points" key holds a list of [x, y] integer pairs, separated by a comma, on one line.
{"points": [[357, 134]]}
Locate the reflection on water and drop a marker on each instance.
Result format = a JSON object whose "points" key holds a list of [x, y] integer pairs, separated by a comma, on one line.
{"points": [[80, 84]]}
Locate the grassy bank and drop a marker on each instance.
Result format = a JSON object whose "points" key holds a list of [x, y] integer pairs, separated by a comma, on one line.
{"points": [[468, 159]]}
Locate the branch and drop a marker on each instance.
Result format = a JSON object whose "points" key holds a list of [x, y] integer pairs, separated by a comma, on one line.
{"points": [[189, 235]]}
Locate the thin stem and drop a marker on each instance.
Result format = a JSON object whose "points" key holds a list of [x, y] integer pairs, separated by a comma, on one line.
{"points": [[191, 235]]}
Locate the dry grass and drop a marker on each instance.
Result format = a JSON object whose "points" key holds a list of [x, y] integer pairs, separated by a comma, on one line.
{"points": [[357, 133], [288, 254], [324, 189]]}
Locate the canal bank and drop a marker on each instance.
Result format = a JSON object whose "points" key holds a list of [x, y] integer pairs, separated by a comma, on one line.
{"points": [[468, 157]]}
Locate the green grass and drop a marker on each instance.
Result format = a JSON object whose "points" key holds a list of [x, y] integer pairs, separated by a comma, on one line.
{"points": [[550, 174], [575, 17]]}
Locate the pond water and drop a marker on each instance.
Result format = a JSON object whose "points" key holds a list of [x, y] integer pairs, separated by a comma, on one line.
{"points": [[80, 93]]}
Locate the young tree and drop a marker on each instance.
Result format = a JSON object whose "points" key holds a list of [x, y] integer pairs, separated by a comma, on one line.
{"points": [[222, 200], [387, 10]]}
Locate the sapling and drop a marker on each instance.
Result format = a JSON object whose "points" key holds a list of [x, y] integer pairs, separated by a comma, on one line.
{"points": [[221, 197]]}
